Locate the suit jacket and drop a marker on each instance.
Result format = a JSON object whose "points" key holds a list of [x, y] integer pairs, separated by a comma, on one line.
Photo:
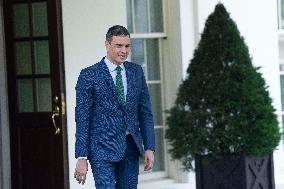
{"points": [[101, 121]]}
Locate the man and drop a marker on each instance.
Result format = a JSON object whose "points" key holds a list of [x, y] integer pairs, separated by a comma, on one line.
{"points": [[113, 118]]}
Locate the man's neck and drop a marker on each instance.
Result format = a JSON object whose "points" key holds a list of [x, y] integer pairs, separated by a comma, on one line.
{"points": [[116, 63]]}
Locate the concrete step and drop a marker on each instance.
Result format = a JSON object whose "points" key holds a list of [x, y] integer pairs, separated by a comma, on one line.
{"points": [[162, 184]]}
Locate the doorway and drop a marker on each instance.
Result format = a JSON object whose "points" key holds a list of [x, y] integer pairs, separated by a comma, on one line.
{"points": [[36, 94]]}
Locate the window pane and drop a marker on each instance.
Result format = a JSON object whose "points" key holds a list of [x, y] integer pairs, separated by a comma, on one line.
{"points": [[159, 164], [25, 95], [283, 123], [129, 15], [23, 58], [282, 90], [282, 14], [156, 99], [137, 51], [21, 20], [40, 25], [156, 15], [153, 67], [141, 16], [43, 95], [41, 53]]}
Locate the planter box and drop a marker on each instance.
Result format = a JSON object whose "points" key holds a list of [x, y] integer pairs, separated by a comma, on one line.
{"points": [[234, 172]]}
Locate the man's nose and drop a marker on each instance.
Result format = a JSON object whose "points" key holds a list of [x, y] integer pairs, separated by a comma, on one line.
{"points": [[124, 49]]}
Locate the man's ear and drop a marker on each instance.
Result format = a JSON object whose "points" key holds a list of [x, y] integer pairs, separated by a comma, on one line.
{"points": [[107, 45]]}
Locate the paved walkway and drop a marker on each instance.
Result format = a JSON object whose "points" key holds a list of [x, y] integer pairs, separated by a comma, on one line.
{"points": [[163, 184], [169, 184]]}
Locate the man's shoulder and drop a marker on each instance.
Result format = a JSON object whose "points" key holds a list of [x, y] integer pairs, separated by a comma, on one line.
{"points": [[92, 69], [132, 65]]}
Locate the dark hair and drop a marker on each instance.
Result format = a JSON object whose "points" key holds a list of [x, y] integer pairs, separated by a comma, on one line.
{"points": [[116, 30]]}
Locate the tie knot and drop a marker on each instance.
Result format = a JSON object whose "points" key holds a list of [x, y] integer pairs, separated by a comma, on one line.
{"points": [[118, 69]]}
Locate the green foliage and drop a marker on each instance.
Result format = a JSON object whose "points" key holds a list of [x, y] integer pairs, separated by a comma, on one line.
{"points": [[223, 106]]}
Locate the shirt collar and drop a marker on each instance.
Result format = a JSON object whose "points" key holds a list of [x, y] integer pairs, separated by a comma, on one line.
{"points": [[111, 66]]}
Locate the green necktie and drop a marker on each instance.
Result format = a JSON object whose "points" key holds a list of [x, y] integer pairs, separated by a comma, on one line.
{"points": [[119, 85]]}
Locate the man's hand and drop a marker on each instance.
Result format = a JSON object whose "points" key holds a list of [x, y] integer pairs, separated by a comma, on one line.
{"points": [[81, 171], [149, 160]]}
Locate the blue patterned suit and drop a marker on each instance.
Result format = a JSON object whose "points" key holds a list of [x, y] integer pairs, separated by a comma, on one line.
{"points": [[102, 122]]}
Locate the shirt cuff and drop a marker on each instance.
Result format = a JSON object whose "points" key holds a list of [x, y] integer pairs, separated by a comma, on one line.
{"points": [[81, 158]]}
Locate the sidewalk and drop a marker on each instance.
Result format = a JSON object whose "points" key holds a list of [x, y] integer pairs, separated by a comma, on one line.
{"points": [[163, 184], [169, 184]]}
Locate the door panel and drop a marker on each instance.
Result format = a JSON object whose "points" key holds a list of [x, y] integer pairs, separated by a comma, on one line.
{"points": [[36, 94]]}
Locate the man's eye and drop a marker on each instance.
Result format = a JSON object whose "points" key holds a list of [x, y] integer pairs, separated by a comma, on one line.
{"points": [[120, 46]]}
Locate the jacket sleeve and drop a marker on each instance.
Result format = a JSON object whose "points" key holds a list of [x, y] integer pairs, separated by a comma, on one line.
{"points": [[83, 113], [145, 116]]}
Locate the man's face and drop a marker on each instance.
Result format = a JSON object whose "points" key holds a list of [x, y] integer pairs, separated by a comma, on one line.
{"points": [[118, 49]]}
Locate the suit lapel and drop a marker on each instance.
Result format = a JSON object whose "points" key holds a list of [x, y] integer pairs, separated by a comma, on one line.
{"points": [[107, 77], [130, 80]]}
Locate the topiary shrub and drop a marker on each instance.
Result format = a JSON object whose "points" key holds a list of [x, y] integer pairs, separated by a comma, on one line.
{"points": [[223, 106]]}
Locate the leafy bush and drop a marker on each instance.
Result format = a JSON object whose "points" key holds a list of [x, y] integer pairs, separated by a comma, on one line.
{"points": [[223, 106]]}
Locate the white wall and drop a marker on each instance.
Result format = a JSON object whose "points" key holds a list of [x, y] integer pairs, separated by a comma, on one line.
{"points": [[257, 22], [189, 31], [84, 27]]}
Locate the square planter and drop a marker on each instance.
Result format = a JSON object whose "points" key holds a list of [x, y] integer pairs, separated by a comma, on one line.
{"points": [[234, 172]]}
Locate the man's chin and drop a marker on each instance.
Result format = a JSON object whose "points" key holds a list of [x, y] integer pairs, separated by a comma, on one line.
{"points": [[121, 60]]}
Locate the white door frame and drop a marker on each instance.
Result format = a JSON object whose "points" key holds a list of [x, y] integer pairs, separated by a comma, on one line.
{"points": [[5, 169]]}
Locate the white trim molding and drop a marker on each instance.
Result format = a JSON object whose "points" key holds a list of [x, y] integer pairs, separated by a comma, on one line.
{"points": [[5, 169]]}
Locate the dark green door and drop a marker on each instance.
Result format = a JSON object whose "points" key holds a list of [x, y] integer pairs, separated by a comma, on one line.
{"points": [[36, 94]]}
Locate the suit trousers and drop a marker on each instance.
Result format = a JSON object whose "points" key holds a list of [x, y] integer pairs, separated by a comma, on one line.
{"points": [[118, 175]]}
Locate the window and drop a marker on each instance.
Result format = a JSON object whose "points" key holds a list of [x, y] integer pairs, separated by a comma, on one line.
{"points": [[281, 14], [146, 25], [281, 54], [145, 16], [282, 95], [146, 53], [281, 68]]}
